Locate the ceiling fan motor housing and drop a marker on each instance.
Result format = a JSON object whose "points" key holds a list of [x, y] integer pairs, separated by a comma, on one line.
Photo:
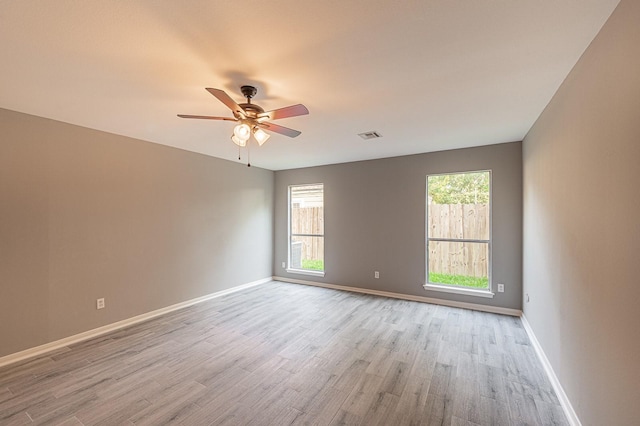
{"points": [[252, 110]]}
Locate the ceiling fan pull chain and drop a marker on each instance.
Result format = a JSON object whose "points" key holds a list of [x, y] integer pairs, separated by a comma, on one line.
{"points": [[248, 154]]}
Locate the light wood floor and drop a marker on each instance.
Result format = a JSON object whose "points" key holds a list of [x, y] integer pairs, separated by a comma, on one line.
{"points": [[282, 354]]}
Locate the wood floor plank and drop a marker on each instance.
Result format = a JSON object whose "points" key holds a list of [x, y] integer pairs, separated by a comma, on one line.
{"points": [[492, 412], [272, 405], [381, 410], [522, 407], [72, 421], [345, 418], [61, 409], [321, 405], [15, 419], [5, 393], [170, 405], [112, 411], [412, 402], [286, 354], [551, 414], [438, 410], [491, 382], [288, 416], [396, 378]]}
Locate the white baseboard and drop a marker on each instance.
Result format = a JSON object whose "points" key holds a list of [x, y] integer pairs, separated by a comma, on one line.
{"points": [[572, 417], [433, 301], [48, 347]]}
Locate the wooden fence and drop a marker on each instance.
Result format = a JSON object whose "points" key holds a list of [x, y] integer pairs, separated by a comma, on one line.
{"points": [[468, 221], [309, 220]]}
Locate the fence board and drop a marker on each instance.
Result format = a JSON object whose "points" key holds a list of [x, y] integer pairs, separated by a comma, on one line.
{"points": [[466, 221], [309, 220]]}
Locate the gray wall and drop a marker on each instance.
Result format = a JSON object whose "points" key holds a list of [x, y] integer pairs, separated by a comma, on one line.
{"points": [[582, 229], [375, 220], [86, 214]]}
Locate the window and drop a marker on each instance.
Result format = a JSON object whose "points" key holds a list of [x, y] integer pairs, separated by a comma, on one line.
{"points": [[459, 233], [306, 229]]}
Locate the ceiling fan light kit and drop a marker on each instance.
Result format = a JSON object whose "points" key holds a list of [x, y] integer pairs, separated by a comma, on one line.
{"points": [[242, 131], [261, 136], [251, 118], [238, 141]]}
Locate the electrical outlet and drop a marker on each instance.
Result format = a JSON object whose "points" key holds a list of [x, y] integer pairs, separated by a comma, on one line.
{"points": [[527, 297], [100, 303], [500, 288], [376, 274], [284, 265]]}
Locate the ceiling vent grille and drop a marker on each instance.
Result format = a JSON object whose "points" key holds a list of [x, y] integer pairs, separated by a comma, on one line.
{"points": [[370, 135]]}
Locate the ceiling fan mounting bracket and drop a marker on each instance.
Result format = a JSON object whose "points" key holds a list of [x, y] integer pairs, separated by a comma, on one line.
{"points": [[248, 92]]}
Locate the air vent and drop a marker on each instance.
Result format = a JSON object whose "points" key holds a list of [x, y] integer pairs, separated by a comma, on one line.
{"points": [[370, 135]]}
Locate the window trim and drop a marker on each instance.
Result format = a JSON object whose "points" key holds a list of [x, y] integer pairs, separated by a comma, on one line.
{"points": [[290, 235], [451, 288]]}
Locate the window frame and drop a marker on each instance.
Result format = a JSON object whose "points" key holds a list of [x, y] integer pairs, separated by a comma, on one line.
{"points": [[290, 234], [451, 288]]}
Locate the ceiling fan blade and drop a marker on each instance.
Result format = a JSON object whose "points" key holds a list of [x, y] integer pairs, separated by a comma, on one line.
{"points": [[290, 111], [226, 99], [206, 117], [280, 129]]}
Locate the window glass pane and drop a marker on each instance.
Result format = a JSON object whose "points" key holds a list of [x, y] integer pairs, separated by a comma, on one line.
{"points": [[307, 210], [306, 214], [458, 206], [307, 253], [457, 263]]}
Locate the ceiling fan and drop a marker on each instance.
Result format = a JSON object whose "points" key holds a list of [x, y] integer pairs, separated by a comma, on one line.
{"points": [[251, 118]]}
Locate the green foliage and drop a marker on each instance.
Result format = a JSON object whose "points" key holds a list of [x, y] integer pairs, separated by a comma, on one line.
{"points": [[459, 188], [313, 265], [459, 280]]}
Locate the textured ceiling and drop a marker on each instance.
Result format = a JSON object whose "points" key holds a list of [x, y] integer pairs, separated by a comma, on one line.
{"points": [[428, 75]]}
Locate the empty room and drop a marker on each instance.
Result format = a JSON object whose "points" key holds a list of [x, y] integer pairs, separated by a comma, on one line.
{"points": [[319, 213]]}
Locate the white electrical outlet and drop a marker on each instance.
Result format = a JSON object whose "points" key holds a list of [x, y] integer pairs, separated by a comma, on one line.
{"points": [[527, 297], [500, 288], [376, 274], [100, 303], [284, 265]]}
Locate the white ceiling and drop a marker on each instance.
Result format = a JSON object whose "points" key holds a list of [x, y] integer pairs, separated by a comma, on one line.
{"points": [[428, 75]]}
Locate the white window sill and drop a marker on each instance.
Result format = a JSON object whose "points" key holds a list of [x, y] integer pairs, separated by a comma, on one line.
{"points": [[458, 290], [306, 272]]}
